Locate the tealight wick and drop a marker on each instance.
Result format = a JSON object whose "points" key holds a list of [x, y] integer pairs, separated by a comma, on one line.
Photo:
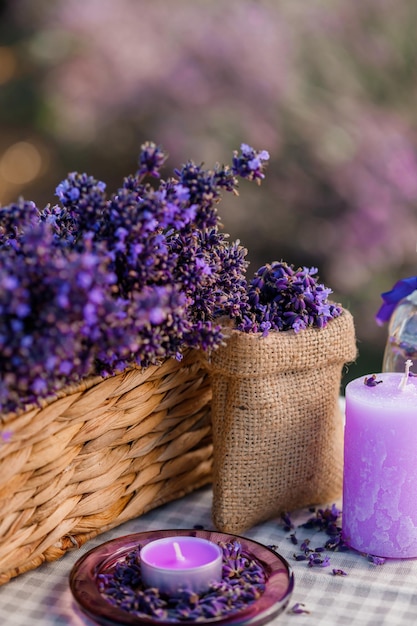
{"points": [[404, 379], [178, 553]]}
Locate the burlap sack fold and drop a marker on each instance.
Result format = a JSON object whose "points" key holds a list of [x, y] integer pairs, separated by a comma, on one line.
{"points": [[277, 428]]}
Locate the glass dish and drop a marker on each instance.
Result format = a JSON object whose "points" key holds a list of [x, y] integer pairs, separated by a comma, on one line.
{"points": [[102, 559]]}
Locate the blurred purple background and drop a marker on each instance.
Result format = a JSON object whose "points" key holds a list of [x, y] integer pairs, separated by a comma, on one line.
{"points": [[327, 87]]}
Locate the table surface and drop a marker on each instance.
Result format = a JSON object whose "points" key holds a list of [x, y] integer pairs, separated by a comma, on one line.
{"points": [[368, 595]]}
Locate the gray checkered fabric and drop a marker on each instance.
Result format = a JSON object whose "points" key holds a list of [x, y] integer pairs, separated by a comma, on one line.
{"points": [[369, 594]]}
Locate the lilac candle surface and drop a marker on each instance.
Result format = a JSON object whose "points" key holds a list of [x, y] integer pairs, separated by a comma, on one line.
{"points": [[173, 563], [380, 466]]}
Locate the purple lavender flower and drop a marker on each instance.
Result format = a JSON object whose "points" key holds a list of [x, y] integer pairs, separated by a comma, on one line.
{"points": [[250, 163], [298, 609], [79, 186], [338, 572], [324, 519], [151, 159], [95, 283], [316, 559], [15, 218], [282, 298], [376, 560], [300, 557], [55, 311], [204, 190], [371, 381], [83, 201]]}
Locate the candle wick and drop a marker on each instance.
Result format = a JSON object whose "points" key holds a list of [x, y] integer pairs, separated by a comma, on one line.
{"points": [[404, 379], [178, 553]]}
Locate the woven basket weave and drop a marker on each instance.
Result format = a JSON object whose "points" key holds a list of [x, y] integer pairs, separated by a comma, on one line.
{"points": [[98, 455]]}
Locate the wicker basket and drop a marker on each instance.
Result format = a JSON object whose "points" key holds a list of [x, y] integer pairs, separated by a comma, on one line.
{"points": [[98, 455]]}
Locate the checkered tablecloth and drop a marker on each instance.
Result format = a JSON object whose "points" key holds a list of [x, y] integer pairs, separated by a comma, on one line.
{"points": [[368, 595]]}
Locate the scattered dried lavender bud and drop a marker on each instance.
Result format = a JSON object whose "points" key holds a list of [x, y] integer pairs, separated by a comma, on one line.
{"points": [[338, 572], [298, 609], [376, 560], [314, 560], [371, 381]]}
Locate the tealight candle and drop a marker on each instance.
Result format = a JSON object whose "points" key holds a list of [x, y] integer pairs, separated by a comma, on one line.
{"points": [[380, 465], [172, 563]]}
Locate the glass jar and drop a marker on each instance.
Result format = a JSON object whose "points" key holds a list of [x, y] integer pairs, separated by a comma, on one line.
{"points": [[402, 335]]}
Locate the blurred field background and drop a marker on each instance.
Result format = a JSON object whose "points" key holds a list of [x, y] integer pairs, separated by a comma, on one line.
{"points": [[328, 87]]}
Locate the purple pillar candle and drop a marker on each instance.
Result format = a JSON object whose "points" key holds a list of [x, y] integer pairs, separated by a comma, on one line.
{"points": [[380, 465], [174, 563]]}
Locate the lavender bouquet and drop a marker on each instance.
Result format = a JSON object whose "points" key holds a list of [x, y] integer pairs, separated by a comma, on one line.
{"points": [[281, 297], [97, 283]]}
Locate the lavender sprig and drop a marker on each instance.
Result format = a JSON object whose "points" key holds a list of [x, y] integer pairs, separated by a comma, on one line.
{"points": [[151, 159], [250, 163], [15, 219]]}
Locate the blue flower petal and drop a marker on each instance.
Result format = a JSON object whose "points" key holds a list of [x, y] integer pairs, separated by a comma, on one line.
{"points": [[401, 289]]}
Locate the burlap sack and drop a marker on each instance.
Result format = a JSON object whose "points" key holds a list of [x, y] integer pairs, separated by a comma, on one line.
{"points": [[277, 427]]}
